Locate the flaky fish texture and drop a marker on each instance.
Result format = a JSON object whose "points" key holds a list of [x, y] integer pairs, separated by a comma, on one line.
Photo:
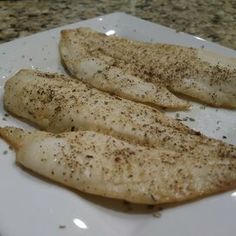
{"points": [[102, 165], [57, 103], [118, 65]]}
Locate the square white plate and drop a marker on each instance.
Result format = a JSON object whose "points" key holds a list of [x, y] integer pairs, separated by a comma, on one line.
{"points": [[32, 206]]}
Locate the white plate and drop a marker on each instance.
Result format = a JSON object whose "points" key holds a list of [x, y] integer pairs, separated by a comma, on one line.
{"points": [[32, 206]]}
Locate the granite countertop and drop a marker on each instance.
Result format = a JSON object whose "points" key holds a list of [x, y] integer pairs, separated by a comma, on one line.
{"points": [[213, 20]]}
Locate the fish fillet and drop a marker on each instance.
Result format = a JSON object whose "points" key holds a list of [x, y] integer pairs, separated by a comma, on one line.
{"points": [[57, 103], [102, 165], [101, 72], [198, 73]]}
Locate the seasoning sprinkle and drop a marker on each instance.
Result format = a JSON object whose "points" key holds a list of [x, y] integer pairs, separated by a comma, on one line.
{"points": [[62, 226], [191, 119], [157, 214], [177, 115]]}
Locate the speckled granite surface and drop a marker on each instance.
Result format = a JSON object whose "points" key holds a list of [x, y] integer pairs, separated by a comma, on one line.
{"points": [[214, 20]]}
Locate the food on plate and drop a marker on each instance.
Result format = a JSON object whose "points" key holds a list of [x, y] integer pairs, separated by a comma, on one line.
{"points": [[57, 103], [101, 72], [99, 164], [119, 65]]}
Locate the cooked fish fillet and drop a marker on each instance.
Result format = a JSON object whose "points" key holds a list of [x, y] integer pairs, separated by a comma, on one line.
{"points": [[101, 72], [58, 103], [102, 165], [197, 73]]}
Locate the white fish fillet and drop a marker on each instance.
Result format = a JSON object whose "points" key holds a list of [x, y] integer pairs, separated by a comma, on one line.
{"points": [[57, 103], [207, 76], [102, 165], [101, 72]]}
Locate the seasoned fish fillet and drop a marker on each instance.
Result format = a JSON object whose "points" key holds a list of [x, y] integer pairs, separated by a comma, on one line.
{"points": [[198, 73], [57, 103], [101, 72], [102, 165]]}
